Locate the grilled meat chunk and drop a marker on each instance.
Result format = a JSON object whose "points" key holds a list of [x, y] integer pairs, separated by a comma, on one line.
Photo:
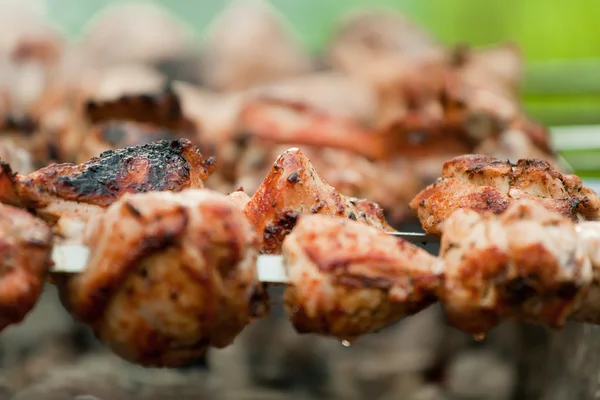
{"points": [[293, 188], [527, 262], [347, 279], [485, 183], [181, 278], [86, 188], [25, 244]]}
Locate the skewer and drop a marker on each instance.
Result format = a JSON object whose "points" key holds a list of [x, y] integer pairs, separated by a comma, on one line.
{"points": [[72, 258]]}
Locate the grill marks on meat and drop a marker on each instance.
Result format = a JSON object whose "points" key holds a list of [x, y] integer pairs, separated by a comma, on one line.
{"points": [[160, 166], [347, 279], [292, 188], [527, 263], [25, 244], [487, 184], [181, 277]]}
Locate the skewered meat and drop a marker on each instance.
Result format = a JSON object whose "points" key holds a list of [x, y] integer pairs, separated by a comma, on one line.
{"points": [[86, 188], [348, 279], [293, 188], [527, 263], [389, 183], [485, 183], [25, 244], [181, 278]]}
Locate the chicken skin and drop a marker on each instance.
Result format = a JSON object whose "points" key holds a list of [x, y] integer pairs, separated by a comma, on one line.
{"points": [[25, 244], [527, 262], [181, 279], [347, 279], [293, 188], [85, 189], [487, 184]]}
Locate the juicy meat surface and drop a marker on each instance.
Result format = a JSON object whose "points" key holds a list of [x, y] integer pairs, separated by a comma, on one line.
{"points": [[85, 188], [485, 183], [347, 279], [25, 244], [527, 263], [293, 188], [389, 183], [170, 274]]}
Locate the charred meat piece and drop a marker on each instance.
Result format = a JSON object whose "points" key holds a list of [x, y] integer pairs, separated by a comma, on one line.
{"points": [[170, 274], [347, 279], [293, 188], [25, 244], [86, 188], [162, 109], [527, 263], [485, 183]]}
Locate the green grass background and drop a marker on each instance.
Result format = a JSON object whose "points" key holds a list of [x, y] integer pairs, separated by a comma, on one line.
{"points": [[559, 38]]}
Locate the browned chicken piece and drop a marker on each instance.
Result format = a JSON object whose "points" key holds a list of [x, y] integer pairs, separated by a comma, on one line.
{"points": [[250, 44], [526, 263], [85, 189], [389, 183], [347, 279], [484, 183], [293, 188], [181, 279], [25, 244]]}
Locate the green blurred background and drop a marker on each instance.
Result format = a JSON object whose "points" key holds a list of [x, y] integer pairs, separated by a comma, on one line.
{"points": [[560, 40]]}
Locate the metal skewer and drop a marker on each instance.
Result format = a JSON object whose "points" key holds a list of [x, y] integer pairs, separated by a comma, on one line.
{"points": [[73, 258]]}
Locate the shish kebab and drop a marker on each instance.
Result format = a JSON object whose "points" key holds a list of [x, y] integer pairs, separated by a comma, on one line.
{"points": [[292, 187], [72, 258], [537, 284]]}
